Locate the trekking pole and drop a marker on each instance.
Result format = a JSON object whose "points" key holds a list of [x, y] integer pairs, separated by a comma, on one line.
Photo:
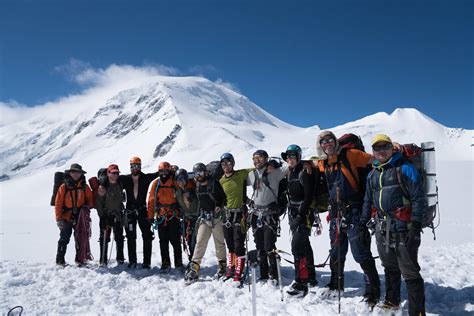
{"points": [[104, 255], [112, 244], [252, 259], [338, 230], [278, 260]]}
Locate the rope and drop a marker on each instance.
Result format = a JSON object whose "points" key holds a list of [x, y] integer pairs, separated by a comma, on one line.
{"points": [[83, 234]]}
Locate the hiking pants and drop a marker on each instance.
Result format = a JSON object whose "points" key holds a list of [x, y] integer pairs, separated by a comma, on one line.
{"points": [[168, 232], [108, 223], [64, 238], [265, 236], [400, 262], [205, 230], [301, 246], [140, 216], [235, 232]]}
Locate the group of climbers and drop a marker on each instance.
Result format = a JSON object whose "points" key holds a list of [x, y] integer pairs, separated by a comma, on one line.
{"points": [[186, 212]]}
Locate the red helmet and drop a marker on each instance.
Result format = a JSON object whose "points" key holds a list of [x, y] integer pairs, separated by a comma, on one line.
{"points": [[135, 160], [164, 165]]}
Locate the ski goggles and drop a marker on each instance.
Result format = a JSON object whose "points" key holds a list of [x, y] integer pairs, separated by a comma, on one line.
{"points": [[382, 147], [135, 166], [325, 141]]}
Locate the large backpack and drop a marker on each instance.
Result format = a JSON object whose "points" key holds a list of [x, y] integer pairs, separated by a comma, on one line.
{"points": [[423, 160], [214, 170], [64, 177], [353, 141]]}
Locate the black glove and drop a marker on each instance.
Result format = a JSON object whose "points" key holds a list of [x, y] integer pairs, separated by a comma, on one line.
{"points": [[296, 223], [413, 239], [61, 224], [364, 236]]}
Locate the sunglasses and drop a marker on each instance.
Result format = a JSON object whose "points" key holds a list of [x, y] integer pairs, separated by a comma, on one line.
{"points": [[135, 166], [114, 173], [325, 141], [383, 147], [164, 172], [291, 156], [200, 174]]}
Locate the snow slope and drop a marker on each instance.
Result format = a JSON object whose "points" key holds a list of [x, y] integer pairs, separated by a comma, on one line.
{"points": [[186, 120]]}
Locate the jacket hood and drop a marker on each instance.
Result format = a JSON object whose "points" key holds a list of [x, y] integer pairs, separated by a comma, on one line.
{"points": [[321, 154]]}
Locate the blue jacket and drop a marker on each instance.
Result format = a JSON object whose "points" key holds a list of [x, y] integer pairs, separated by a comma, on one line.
{"points": [[386, 196]]}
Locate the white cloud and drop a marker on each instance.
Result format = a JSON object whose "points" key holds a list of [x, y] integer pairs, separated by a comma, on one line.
{"points": [[12, 112], [227, 84]]}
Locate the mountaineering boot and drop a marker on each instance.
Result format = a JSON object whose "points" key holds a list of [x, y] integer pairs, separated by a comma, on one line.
{"points": [[192, 273], [165, 266], [389, 306], [220, 270], [120, 257], [298, 289], [372, 282], [60, 254], [239, 268], [231, 262]]}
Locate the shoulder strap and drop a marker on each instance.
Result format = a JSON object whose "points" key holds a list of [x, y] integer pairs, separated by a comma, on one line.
{"points": [[342, 157], [398, 171]]}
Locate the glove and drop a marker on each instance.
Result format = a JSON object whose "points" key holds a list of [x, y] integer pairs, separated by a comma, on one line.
{"points": [[413, 238], [296, 223], [61, 224], [364, 236]]}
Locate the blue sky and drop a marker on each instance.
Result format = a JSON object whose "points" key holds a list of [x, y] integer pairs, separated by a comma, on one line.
{"points": [[306, 62]]}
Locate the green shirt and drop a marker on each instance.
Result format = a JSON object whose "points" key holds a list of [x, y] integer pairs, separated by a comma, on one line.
{"points": [[235, 187]]}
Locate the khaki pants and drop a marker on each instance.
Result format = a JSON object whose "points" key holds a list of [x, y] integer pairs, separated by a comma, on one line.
{"points": [[204, 233]]}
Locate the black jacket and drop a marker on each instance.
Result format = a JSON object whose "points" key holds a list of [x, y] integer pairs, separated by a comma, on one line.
{"points": [[300, 188]]}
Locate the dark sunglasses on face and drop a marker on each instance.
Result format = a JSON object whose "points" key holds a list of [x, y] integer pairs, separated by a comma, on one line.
{"points": [[135, 166], [200, 174], [114, 173], [292, 156], [164, 172], [383, 147], [325, 141]]}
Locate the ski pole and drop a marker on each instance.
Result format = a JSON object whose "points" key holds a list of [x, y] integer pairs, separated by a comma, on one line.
{"points": [[104, 255], [278, 260], [252, 259], [338, 224]]}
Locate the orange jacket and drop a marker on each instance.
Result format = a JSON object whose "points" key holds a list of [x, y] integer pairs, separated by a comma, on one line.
{"points": [[67, 198], [166, 202]]}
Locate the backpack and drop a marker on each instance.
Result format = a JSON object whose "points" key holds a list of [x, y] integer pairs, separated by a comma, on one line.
{"points": [[418, 156], [353, 141], [214, 170], [64, 177]]}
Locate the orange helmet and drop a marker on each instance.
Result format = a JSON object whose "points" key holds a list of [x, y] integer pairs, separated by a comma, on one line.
{"points": [[164, 165], [135, 160]]}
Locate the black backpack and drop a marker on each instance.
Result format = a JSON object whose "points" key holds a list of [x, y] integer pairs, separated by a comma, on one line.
{"points": [[64, 177], [214, 170]]}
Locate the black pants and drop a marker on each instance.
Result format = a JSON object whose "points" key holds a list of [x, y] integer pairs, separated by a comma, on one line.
{"points": [[108, 223], [401, 261], [265, 235], [132, 217], [235, 232], [64, 238], [168, 232], [301, 246]]}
